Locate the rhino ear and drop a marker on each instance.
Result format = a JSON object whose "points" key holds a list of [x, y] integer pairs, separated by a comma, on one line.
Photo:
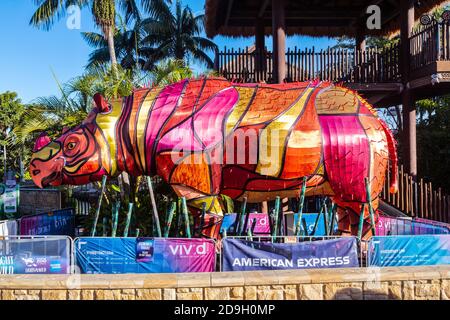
{"points": [[101, 105]]}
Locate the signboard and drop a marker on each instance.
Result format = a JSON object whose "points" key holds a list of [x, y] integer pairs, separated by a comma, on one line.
{"points": [[418, 250], [144, 255], [9, 198], [8, 228], [396, 226], [35, 256], [310, 220], [58, 222], [243, 255]]}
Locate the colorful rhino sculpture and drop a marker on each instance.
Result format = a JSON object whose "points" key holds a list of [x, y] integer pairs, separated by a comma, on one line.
{"points": [[208, 137]]}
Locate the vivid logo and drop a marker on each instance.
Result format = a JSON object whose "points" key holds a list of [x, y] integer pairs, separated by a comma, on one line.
{"points": [[189, 249]]}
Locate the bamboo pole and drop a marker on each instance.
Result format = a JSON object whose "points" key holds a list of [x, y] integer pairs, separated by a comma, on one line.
{"points": [[97, 212], [297, 229], [115, 209], [186, 217], [369, 203], [333, 217], [316, 223], [241, 220], [155, 209], [105, 222], [275, 218], [171, 212], [137, 232], [202, 218], [361, 221], [127, 226]]}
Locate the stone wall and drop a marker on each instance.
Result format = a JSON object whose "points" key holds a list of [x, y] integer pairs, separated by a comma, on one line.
{"points": [[363, 283]]}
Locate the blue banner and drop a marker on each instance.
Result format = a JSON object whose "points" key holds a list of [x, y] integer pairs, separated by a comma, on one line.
{"points": [[390, 226], [35, 256], [144, 255], [310, 220], [418, 250], [58, 222], [243, 255], [229, 223]]}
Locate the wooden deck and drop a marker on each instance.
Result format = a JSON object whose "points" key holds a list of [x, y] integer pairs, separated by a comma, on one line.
{"points": [[375, 73]]}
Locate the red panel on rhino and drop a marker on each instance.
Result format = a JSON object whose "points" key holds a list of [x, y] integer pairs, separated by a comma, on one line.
{"points": [[346, 155]]}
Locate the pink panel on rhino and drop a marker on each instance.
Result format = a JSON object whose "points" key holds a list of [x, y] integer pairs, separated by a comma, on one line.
{"points": [[208, 122], [346, 155], [165, 104]]}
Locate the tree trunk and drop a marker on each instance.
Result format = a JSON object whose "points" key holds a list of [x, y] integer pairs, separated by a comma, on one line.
{"points": [[109, 33]]}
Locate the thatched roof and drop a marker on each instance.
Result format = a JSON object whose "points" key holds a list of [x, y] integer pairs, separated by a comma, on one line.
{"points": [[337, 18]]}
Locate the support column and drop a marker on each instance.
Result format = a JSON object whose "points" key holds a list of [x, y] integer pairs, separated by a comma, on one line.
{"points": [[360, 40], [279, 40], [259, 44], [408, 106]]}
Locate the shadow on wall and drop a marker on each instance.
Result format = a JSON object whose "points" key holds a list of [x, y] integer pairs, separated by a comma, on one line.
{"points": [[354, 293]]}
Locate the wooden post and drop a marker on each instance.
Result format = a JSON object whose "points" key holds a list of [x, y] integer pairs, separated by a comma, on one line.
{"points": [[279, 40], [259, 45], [409, 110], [360, 40], [275, 218]]}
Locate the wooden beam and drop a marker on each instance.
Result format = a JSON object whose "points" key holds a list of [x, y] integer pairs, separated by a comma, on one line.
{"points": [[227, 17], [279, 40], [263, 8], [408, 103]]}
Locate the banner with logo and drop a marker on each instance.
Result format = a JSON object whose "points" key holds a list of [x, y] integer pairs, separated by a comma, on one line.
{"points": [[8, 228], [243, 255], [58, 222], [397, 226], [310, 221], [418, 250], [50, 255], [144, 255]]}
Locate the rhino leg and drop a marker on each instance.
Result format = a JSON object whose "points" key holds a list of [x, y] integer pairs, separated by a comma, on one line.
{"points": [[209, 226], [349, 215]]}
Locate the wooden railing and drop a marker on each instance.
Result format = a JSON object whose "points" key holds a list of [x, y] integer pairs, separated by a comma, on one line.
{"points": [[430, 43], [336, 65], [418, 198]]}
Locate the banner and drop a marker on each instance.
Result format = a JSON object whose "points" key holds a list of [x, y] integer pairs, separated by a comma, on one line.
{"points": [[243, 255], [310, 220], [35, 256], [58, 222], [229, 223], [419, 250], [397, 226], [262, 226], [8, 228], [144, 255], [435, 223], [9, 194]]}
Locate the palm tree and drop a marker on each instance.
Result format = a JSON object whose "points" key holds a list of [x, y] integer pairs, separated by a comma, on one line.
{"points": [[177, 35], [103, 12], [131, 53]]}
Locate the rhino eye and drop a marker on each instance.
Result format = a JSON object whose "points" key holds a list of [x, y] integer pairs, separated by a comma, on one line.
{"points": [[71, 145]]}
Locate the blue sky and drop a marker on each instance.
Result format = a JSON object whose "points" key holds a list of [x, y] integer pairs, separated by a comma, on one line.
{"points": [[28, 55]]}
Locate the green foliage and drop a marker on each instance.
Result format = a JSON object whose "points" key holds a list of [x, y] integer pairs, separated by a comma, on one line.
{"points": [[433, 140], [170, 71], [11, 113]]}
